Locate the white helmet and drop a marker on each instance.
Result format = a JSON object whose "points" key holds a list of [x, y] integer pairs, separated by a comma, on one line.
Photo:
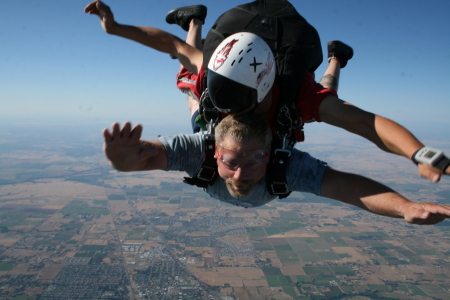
{"points": [[241, 72]]}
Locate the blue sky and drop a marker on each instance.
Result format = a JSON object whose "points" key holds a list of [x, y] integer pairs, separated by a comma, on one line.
{"points": [[57, 65]]}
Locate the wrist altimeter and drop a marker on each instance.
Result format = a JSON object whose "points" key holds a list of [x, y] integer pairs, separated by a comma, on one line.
{"points": [[432, 157]]}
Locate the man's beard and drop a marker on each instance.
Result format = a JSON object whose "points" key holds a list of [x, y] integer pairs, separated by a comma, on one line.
{"points": [[240, 188]]}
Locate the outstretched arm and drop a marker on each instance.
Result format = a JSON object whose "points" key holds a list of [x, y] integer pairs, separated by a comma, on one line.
{"points": [[155, 38], [379, 199], [385, 133], [126, 152]]}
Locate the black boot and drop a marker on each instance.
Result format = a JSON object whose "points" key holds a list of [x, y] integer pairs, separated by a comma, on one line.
{"points": [[183, 15], [340, 51]]}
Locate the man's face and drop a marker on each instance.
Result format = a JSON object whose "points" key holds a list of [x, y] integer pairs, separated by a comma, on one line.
{"points": [[241, 166]]}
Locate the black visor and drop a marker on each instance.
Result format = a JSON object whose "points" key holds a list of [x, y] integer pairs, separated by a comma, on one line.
{"points": [[229, 96]]}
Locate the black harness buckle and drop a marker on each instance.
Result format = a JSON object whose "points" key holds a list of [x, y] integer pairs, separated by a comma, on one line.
{"points": [[278, 184], [281, 154], [206, 173], [279, 188]]}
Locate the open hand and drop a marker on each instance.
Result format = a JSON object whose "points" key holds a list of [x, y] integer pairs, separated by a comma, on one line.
{"points": [[125, 150], [104, 12], [426, 213]]}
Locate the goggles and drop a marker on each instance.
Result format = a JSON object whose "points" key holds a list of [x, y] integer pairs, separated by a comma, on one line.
{"points": [[234, 160]]}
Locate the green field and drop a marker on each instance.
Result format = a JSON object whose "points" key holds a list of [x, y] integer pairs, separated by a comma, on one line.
{"points": [[6, 266]]}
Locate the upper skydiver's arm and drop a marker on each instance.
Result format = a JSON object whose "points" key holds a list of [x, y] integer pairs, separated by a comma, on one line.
{"points": [[190, 57]]}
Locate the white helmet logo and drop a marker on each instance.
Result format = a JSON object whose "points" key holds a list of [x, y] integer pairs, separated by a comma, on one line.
{"points": [[222, 55], [267, 70]]}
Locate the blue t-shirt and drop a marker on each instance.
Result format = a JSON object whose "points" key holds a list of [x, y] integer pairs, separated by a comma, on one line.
{"points": [[186, 152]]}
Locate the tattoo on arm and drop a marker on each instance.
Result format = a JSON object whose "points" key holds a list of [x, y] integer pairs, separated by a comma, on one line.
{"points": [[329, 82]]}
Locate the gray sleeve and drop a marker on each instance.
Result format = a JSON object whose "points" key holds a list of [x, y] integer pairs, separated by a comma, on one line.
{"points": [[185, 152], [305, 173]]}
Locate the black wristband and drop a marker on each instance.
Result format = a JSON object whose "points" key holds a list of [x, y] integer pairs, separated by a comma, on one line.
{"points": [[443, 164], [413, 157]]}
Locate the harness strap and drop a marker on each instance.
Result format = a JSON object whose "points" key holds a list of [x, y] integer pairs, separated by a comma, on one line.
{"points": [[208, 172], [276, 170], [278, 185]]}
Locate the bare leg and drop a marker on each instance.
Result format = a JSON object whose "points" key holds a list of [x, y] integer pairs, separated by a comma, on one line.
{"points": [[330, 79], [194, 38], [190, 18], [194, 35], [338, 56]]}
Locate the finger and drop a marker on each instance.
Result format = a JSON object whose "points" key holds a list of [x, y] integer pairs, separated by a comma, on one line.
{"points": [[103, 8], [92, 8], [89, 7], [437, 209], [417, 216], [136, 133], [125, 133], [115, 131], [428, 213], [107, 135], [432, 174], [434, 219], [416, 213]]}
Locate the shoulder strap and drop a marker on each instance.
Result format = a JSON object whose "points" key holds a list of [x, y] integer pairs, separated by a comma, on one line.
{"points": [[276, 169], [208, 172]]}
